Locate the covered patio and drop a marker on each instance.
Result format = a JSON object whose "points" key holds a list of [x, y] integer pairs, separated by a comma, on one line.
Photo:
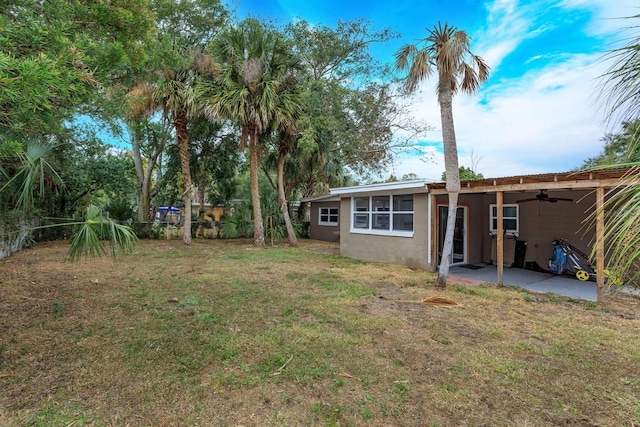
{"points": [[584, 194]]}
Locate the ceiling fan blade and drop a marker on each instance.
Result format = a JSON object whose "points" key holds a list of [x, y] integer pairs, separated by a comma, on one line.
{"points": [[562, 199], [526, 200]]}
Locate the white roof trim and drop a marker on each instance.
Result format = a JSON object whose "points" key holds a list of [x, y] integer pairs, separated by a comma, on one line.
{"points": [[385, 186], [323, 198]]}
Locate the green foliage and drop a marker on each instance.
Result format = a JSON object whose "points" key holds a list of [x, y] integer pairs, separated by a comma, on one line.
{"points": [[619, 84], [55, 54], [88, 241], [619, 148], [344, 77], [466, 174], [120, 209], [25, 176], [240, 223], [622, 231], [619, 94]]}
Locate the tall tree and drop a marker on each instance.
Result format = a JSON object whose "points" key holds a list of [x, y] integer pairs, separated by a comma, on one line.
{"points": [[446, 51], [351, 108], [184, 30], [286, 142], [55, 56], [148, 140], [251, 87]]}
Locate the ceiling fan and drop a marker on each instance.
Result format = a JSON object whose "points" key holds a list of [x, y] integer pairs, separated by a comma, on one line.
{"points": [[544, 197]]}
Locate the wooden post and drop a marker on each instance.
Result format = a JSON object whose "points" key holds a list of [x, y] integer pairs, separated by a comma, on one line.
{"points": [[500, 238], [600, 242]]}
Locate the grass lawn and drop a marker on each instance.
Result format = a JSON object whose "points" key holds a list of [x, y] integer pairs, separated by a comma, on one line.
{"points": [[225, 334]]}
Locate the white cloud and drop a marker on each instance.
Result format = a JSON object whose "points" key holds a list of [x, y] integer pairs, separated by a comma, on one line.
{"points": [[545, 120], [606, 13]]}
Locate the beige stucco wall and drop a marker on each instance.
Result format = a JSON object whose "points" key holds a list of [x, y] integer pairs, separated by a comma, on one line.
{"points": [[327, 233], [540, 223], [410, 251]]}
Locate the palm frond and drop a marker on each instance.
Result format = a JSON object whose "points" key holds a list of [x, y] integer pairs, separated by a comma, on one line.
{"points": [[446, 49], [404, 56], [619, 85], [32, 175], [88, 242]]}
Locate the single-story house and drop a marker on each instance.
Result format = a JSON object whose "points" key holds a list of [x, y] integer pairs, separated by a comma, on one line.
{"points": [[505, 221]]}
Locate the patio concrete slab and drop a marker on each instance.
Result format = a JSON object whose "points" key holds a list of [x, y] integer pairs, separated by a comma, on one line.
{"points": [[564, 285]]}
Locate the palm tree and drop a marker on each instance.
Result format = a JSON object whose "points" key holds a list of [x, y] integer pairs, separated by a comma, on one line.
{"points": [[184, 28], [620, 94], [251, 87], [175, 93], [446, 51], [23, 178]]}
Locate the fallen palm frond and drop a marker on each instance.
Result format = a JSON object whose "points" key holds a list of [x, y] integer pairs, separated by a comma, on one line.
{"points": [[94, 229], [432, 301]]}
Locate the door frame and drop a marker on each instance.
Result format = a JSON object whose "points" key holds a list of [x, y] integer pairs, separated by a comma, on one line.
{"points": [[465, 234]]}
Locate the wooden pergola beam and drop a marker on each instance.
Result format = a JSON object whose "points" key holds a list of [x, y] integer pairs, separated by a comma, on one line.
{"points": [[530, 186], [500, 239]]}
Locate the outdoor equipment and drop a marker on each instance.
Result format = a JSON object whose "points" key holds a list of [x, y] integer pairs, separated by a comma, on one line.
{"points": [[544, 197], [566, 258], [519, 255]]}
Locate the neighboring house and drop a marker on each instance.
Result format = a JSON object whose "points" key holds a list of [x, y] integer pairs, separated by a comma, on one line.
{"points": [[324, 217], [404, 222]]}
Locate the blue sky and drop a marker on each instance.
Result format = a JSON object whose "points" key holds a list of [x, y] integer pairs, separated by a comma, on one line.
{"points": [[536, 114]]}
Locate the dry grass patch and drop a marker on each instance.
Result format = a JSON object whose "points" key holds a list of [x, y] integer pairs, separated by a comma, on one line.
{"points": [[222, 333]]}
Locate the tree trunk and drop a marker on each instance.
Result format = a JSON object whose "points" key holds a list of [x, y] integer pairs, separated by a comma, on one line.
{"points": [[201, 192], [452, 173], [180, 123], [254, 164], [282, 199], [143, 176], [143, 203]]}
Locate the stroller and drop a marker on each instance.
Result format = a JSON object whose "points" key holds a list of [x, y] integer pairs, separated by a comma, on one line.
{"points": [[566, 258]]}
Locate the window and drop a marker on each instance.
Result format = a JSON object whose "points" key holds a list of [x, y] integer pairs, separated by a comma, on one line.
{"points": [[328, 216], [403, 213], [383, 214], [510, 221], [361, 212]]}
